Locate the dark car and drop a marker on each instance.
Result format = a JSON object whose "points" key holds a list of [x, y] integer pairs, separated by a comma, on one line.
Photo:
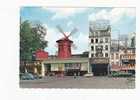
{"points": [[26, 76], [36, 76]]}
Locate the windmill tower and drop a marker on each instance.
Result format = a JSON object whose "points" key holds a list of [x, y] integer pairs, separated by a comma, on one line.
{"points": [[65, 44]]}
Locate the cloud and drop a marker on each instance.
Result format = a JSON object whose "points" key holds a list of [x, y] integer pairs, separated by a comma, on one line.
{"points": [[103, 14], [60, 13], [81, 42], [113, 15], [80, 39], [69, 24], [52, 36], [117, 13]]}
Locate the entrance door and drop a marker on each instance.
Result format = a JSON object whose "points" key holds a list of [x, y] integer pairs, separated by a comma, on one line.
{"points": [[99, 69], [47, 68], [71, 72]]}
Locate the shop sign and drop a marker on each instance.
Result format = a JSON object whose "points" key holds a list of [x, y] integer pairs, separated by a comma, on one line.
{"points": [[99, 60]]}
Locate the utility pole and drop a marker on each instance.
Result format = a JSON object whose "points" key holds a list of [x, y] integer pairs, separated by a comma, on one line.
{"points": [[126, 44], [118, 41]]}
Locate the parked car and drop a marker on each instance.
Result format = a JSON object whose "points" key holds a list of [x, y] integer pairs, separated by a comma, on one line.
{"points": [[122, 74], [36, 76], [26, 76], [88, 75], [51, 74]]}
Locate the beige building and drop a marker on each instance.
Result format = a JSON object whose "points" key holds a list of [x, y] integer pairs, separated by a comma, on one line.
{"points": [[128, 60], [99, 46], [99, 38], [123, 60], [115, 57], [67, 66]]}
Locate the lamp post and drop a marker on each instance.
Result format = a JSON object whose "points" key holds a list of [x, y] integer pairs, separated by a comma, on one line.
{"points": [[26, 71]]}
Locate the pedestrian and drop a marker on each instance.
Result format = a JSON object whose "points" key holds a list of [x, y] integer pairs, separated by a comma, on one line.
{"points": [[74, 75], [78, 73]]}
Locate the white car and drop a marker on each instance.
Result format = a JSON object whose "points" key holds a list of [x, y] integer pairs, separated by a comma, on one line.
{"points": [[88, 75]]}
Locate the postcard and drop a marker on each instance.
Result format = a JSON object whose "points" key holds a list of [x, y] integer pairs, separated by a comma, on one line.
{"points": [[77, 47]]}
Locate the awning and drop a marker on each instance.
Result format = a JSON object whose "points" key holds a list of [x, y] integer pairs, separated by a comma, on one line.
{"points": [[115, 68]]}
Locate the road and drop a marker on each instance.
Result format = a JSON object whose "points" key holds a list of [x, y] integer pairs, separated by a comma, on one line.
{"points": [[80, 82]]}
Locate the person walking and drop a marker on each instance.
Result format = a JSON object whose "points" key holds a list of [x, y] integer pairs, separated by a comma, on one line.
{"points": [[75, 75]]}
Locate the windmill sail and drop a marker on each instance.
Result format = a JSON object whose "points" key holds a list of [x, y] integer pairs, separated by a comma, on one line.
{"points": [[72, 32], [61, 31]]}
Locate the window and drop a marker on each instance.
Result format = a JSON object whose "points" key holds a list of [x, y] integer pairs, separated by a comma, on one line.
{"points": [[101, 40], [106, 47], [92, 41], [96, 40], [112, 63], [101, 54], [96, 47], [96, 55], [117, 63], [92, 55], [133, 51], [106, 54], [112, 56], [117, 56], [106, 40], [92, 48], [101, 47]]}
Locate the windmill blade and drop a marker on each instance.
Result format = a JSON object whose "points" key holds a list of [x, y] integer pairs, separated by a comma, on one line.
{"points": [[60, 30], [73, 31]]}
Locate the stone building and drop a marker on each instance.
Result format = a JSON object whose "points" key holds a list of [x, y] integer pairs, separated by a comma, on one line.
{"points": [[99, 46]]}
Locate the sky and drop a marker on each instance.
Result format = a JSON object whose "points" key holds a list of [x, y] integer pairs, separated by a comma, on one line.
{"points": [[122, 20]]}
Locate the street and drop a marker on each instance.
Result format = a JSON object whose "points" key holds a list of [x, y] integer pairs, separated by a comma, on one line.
{"points": [[80, 82]]}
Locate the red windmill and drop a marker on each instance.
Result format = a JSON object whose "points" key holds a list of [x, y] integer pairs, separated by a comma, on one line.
{"points": [[64, 44]]}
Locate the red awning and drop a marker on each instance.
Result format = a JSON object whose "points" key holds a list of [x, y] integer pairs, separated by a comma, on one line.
{"points": [[115, 67]]}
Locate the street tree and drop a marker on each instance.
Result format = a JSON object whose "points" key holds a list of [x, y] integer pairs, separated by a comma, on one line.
{"points": [[32, 38]]}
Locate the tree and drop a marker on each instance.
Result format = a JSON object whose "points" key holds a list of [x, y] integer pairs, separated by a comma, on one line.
{"points": [[31, 39]]}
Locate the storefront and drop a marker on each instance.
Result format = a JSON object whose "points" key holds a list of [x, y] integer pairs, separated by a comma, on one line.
{"points": [[100, 66], [128, 63], [71, 66]]}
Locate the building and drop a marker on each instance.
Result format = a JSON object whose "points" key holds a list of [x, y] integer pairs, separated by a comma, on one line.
{"points": [[122, 56], [34, 66], [52, 65], [115, 59], [68, 66], [56, 66], [99, 46], [123, 60], [41, 55], [128, 60], [117, 49], [64, 47]]}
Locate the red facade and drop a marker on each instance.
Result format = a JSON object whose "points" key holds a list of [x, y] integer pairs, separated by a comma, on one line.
{"points": [[64, 48], [41, 55]]}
